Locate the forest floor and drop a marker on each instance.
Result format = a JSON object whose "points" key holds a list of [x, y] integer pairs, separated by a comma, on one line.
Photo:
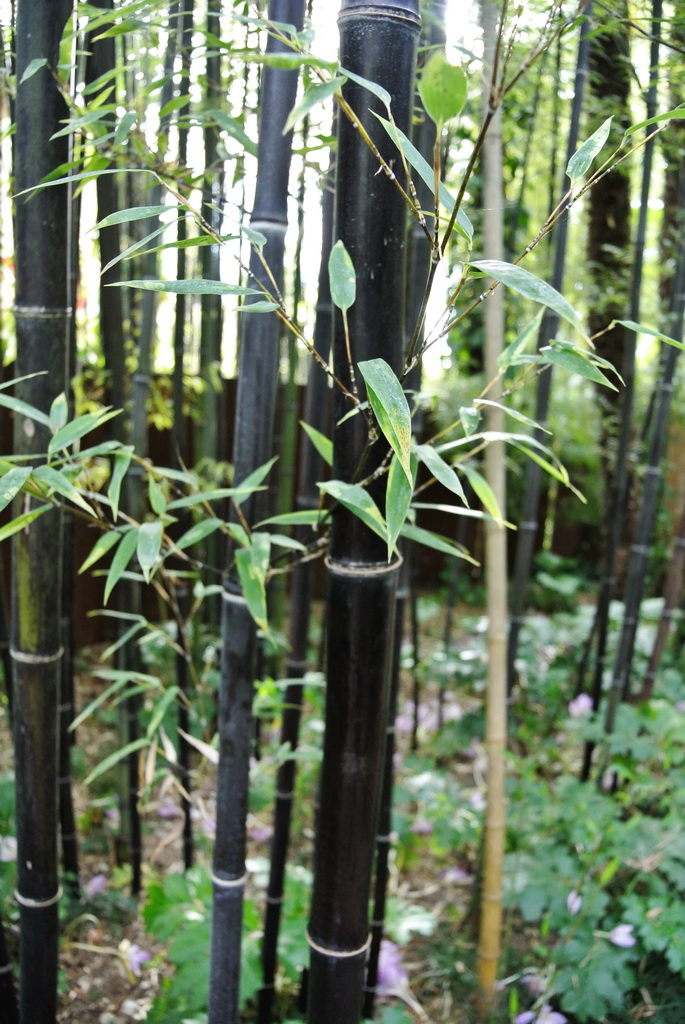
{"points": [[103, 932]]}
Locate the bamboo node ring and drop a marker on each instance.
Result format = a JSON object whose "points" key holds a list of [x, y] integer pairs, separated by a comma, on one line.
{"points": [[362, 569], [275, 901], [226, 595], [228, 883], [339, 954], [29, 658], [43, 312], [26, 901]]}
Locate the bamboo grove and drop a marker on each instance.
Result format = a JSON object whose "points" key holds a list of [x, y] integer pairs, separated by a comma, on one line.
{"points": [[288, 227]]}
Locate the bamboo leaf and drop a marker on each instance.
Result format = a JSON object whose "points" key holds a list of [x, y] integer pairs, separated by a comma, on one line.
{"points": [[342, 277], [483, 491], [511, 353], [390, 407], [459, 510], [254, 587], [576, 361], [123, 639], [134, 247], [441, 470], [580, 162], [124, 127], [11, 483], [427, 175], [156, 496], [21, 408], [514, 413], [101, 698], [78, 428], [198, 286], [122, 460], [59, 410], [131, 214], [314, 94], [32, 67], [323, 445], [378, 90], [260, 306], [234, 129], [219, 494], [668, 115], [160, 709], [122, 556], [398, 497], [148, 546], [211, 753], [104, 543], [641, 329], [304, 518], [531, 287], [359, 502], [253, 480], [442, 88], [282, 540], [198, 533], [435, 540], [62, 484], [114, 759], [470, 418], [23, 521]]}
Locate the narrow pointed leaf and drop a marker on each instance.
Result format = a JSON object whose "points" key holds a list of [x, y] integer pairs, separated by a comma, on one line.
{"points": [[441, 470], [59, 411], [78, 428], [314, 94], [148, 547], [667, 115], [23, 521], [114, 759], [580, 162], [219, 494], [398, 497], [390, 407], [122, 556], [435, 540], [20, 408], [254, 587], [282, 540], [641, 329], [323, 445], [531, 287], [62, 484], [32, 67], [576, 362], [160, 709], [122, 460], [104, 543], [513, 413], [11, 483], [156, 496], [131, 249], [483, 491], [131, 214], [253, 480], [511, 354], [470, 418], [442, 88], [198, 286], [342, 278], [305, 517], [101, 698], [378, 90], [198, 533], [358, 501]]}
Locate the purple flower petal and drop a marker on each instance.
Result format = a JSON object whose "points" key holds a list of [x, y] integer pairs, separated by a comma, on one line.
{"points": [[391, 974], [97, 884], [622, 935], [580, 706], [574, 902], [137, 957]]}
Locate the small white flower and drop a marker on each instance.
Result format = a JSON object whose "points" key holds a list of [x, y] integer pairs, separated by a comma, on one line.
{"points": [[8, 848]]}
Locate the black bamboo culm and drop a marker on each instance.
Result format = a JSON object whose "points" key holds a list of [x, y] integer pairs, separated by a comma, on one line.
{"points": [[639, 551], [9, 1011], [616, 511], [316, 414], [181, 448], [672, 591], [528, 521], [252, 446], [42, 327], [384, 829], [377, 41]]}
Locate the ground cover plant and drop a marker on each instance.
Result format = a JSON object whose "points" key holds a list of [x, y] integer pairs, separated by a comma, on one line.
{"points": [[564, 911]]}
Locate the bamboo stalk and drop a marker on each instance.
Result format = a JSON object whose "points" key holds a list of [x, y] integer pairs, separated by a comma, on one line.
{"points": [[674, 586], [495, 554], [253, 433], [377, 41], [42, 324]]}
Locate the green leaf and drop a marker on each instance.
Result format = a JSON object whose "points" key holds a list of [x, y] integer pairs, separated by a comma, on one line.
{"points": [[234, 129], [510, 355], [343, 280], [323, 445], [358, 501], [198, 533], [59, 410], [33, 65], [198, 286], [378, 90], [78, 428], [62, 484], [156, 496], [667, 115], [260, 306], [21, 408], [23, 521], [304, 518], [122, 680], [122, 556], [435, 540], [160, 709], [513, 413], [397, 502], [282, 540], [441, 470], [442, 88], [254, 587], [575, 360], [122, 461], [148, 546], [531, 287], [123, 129], [115, 758], [253, 480], [390, 407], [11, 483], [134, 247], [314, 94], [220, 494], [102, 545], [470, 418], [641, 329], [131, 214], [427, 175], [483, 491], [579, 163]]}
